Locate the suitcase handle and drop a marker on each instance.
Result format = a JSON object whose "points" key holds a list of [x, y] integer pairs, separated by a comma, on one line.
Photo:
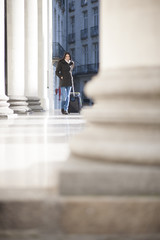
{"points": [[72, 84]]}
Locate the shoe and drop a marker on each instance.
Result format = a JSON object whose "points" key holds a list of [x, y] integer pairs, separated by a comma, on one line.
{"points": [[65, 112], [62, 111]]}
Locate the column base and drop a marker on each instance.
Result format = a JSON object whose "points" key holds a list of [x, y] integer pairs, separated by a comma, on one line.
{"points": [[5, 111], [130, 218], [19, 104], [28, 235], [34, 104], [110, 199], [78, 177], [45, 104]]}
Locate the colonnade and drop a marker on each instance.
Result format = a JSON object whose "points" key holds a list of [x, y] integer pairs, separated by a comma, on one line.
{"points": [[29, 61]]}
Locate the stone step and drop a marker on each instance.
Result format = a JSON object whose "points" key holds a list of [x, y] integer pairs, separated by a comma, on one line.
{"points": [[34, 235], [48, 213], [83, 178]]}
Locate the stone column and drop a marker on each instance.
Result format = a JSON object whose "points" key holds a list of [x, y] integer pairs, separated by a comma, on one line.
{"points": [[4, 106], [50, 64], [43, 53], [31, 54], [15, 42], [119, 151]]}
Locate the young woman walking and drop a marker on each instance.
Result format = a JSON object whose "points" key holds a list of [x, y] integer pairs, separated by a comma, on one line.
{"points": [[64, 72]]}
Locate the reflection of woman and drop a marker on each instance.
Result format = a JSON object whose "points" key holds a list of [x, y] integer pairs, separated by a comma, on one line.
{"points": [[64, 72]]}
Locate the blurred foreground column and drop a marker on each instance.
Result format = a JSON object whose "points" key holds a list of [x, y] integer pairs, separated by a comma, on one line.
{"points": [[118, 154], [31, 54], [5, 111]]}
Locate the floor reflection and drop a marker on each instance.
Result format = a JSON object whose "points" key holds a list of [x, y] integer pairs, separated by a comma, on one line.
{"points": [[32, 146]]}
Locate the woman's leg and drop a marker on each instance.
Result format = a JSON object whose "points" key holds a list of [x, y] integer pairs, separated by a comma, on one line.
{"points": [[68, 90], [64, 96]]}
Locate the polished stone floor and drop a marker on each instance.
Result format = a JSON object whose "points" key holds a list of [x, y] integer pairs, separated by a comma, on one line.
{"points": [[33, 146]]}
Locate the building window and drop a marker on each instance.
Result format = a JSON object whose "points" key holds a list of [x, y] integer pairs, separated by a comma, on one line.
{"points": [[95, 53], [94, 29], [71, 6], [85, 54], [55, 26], [84, 31], [62, 37], [72, 24], [59, 29], [62, 4], [72, 51], [85, 19], [71, 38], [95, 16], [84, 3], [84, 34]]}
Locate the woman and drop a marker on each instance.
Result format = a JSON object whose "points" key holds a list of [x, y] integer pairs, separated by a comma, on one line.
{"points": [[64, 72]]}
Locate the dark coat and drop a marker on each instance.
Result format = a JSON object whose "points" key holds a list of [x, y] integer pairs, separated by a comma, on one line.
{"points": [[64, 70]]}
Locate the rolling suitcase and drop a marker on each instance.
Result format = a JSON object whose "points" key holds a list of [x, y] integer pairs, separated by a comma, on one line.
{"points": [[75, 104]]}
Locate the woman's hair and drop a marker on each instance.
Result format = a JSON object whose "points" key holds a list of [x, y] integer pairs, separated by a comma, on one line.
{"points": [[66, 53]]}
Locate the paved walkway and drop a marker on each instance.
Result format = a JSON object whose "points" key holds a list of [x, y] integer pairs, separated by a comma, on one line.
{"points": [[32, 146]]}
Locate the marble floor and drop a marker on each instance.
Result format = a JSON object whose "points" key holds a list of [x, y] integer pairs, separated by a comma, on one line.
{"points": [[33, 146]]}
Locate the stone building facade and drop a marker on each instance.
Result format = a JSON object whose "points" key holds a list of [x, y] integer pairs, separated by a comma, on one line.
{"points": [[76, 29], [83, 41]]}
